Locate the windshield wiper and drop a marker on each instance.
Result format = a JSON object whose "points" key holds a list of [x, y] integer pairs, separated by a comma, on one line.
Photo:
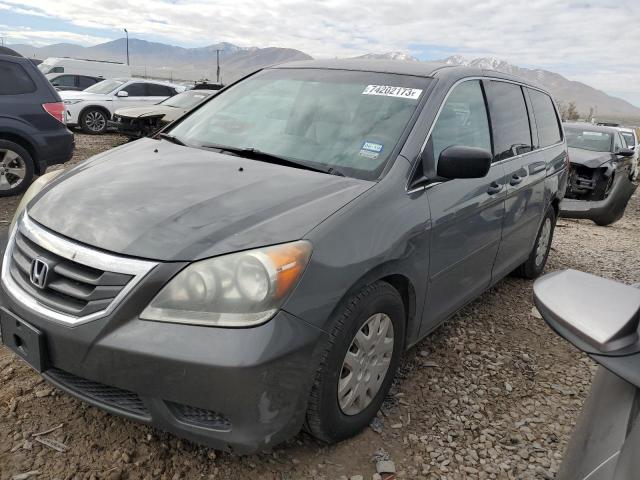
{"points": [[255, 154], [171, 138]]}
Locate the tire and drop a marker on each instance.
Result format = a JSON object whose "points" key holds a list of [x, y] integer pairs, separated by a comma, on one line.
{"points": [[16, 168], [330, 419], [94, 121], [534, 265]]}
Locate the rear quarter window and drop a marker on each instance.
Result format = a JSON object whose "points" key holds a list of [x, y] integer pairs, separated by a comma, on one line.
{"points": [[547, 122], [14, 79]]}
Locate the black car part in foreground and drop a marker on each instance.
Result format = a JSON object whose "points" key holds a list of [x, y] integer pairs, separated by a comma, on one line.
{"points": [[600, 317], [600, 179]]}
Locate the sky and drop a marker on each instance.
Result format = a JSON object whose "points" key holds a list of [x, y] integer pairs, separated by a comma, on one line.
{"points": [[593, 41]]}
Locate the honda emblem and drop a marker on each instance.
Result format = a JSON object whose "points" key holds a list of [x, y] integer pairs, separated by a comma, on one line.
{"points": [[39, 272]]}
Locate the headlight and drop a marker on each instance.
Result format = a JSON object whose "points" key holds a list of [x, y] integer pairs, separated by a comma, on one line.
{"points": [[32, 191], [236, 290], [71, 102]]}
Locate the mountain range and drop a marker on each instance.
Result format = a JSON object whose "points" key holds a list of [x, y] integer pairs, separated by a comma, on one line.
{"points": [[169, 61]]}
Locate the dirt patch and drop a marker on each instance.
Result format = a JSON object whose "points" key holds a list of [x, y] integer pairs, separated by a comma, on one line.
{"points": [[493, 393]]}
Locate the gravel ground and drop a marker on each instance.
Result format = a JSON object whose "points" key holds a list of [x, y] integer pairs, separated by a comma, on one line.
{"points": [[493, 393]]}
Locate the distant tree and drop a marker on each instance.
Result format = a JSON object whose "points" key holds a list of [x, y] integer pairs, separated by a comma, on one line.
{"points": [[591, 114], [572, 112], [562, 107]]}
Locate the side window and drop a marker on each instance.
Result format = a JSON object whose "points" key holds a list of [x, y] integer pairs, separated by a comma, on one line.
{"points": [[547, 122], [14, 79], [57, 70], [154, 90], [64, 81], [617, 142], [509, 119], [86, 82], [136, 90], [463, 120]]}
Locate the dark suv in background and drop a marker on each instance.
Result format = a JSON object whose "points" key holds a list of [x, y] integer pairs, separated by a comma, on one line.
{"points": [[32, 130]]}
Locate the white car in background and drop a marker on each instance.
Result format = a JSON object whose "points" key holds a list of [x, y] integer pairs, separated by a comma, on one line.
{"points": [[90, 109], [630, 136]]}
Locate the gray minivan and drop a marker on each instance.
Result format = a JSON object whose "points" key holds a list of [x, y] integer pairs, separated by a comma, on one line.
{"points": [[263, 263]]}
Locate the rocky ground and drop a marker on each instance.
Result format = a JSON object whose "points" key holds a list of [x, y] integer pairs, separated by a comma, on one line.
{"points": [[493, 393]]}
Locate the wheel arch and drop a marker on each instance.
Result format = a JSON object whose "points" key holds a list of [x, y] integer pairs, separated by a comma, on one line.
{"points": [[94, 107]]}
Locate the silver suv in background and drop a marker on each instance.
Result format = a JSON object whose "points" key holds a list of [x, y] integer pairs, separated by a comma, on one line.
{"points": [[292, 236]]}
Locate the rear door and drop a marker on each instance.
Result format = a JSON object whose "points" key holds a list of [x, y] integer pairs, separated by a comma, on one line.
{"points": [[525, 168], [466, 214]]}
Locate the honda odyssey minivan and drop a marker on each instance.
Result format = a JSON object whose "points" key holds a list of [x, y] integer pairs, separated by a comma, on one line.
{"points": [[262, 263]]}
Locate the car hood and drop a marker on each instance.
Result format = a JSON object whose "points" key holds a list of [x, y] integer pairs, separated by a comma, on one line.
{"points": [[157, 200], [588, 158], [166, 112], [67, 95]]}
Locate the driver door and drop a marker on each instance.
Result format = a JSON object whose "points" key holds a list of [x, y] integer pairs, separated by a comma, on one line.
{"points": [[466, 214]]}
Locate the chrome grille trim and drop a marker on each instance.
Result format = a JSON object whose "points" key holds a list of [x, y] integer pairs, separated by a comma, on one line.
{"points": [[75, 252]]}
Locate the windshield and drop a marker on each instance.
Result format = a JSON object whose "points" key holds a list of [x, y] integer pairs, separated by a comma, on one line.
{"points": [[588, 139], [628, 138], [186, 99], [105, 86], [347, 120]]}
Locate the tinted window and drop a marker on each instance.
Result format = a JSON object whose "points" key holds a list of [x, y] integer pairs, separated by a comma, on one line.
{"points": [[57, 70], [511, 132], [64, 81], [549, 132], [463, 120], [159, 90], [14, 79], [136, 90], [84, 82]]}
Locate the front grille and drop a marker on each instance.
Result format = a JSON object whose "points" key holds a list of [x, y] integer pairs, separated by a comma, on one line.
{"points": [[199, 417], [102, 394], [72, 288]]}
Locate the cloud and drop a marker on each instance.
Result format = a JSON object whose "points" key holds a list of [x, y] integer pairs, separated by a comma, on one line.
{"points": [[42, 37], [589, 40]]}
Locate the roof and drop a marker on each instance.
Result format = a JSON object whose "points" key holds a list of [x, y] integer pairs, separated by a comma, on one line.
{"points": [[418, 69], [415, 68], [590, 127], [8, 51]]}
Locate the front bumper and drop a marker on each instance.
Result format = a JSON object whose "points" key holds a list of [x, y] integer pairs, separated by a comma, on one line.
{"points": [[239, 390], [601, 210]]}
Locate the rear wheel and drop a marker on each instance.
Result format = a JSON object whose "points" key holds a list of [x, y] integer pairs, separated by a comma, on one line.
{"points": [[358, 364], [16, 168], [534, 265], [93, 121]]}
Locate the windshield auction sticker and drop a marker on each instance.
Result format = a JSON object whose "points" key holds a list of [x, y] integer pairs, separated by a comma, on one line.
{"points": [[389, 91]]}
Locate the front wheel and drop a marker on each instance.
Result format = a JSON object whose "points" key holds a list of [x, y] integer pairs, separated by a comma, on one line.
{"points": [[534, 265], [93, 121], [359, 363]]}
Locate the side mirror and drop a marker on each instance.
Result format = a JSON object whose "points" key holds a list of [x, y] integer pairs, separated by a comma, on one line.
{"points": [[122, 93], [599, 316], [625, 152], [464, 162]]}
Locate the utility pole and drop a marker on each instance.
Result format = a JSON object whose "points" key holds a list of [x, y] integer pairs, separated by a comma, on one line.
{"points": [[125, 31], [218, 68]]}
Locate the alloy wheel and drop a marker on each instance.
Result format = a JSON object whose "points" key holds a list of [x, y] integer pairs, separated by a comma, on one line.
{"points": [[365, 364], [12, 169], [95, 121]]}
